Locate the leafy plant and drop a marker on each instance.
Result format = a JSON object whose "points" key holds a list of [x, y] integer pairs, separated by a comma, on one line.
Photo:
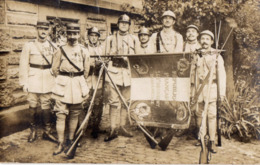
{"points": [[241, 116]]}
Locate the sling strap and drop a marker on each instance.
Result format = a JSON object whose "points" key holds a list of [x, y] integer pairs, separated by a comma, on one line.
{"points": [[37, 46], [65, 55], [158, 42]]}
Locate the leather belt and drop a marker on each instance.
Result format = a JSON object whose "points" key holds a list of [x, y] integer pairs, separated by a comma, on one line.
{"points": [[119, 62], [213, 81], [40, 66], [71, 74]]}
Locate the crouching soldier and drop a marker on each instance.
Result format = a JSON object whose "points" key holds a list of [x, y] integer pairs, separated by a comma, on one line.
{"points": [[70, 67], [204, 64], [36, 78]]}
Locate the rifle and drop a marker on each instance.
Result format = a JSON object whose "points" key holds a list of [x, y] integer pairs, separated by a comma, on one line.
{"points": [[72, 148], [204, 153], [218, 107]]}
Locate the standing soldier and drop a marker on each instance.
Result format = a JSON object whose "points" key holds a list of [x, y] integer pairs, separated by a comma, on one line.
{"points": [[190, 46], [36, 78], [121, 43], [167, 40], [95, 48], [204, 64], [71, 68], [144, 47]]}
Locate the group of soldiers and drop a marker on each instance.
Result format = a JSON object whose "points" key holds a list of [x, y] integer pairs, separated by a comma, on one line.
{"points": [[68, 75]]}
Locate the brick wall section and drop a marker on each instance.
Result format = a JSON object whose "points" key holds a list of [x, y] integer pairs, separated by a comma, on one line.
{"points": [[17, 26]]}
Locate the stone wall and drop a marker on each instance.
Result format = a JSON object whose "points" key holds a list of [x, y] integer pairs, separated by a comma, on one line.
{"points": [[17, 26]]}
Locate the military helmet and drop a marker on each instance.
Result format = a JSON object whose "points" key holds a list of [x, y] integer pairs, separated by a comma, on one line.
{"points": [[144, 30], [193, 26], [169, 13], [43, 24], [73, 27], [94, 30], [207, 32], [124, 18]]}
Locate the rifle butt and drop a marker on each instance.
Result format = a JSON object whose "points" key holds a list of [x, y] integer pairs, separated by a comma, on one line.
{"points": [[166, 141]]}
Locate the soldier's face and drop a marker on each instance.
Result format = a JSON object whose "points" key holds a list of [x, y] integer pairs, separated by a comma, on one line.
{"points": [[72, 37], [144, 38], [206, 41], [168, 21], [93, 38], [192, 34], [123, 26], [43, 32]]}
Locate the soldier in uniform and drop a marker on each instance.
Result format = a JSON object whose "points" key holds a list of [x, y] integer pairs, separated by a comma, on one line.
{"points": [[95, 47], [204, 64], [144, 47], [167, 40], [121, 43], [36, 78], [71, 67], [190, 46]]}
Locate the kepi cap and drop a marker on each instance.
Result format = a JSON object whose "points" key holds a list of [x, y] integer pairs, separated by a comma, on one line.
{"points": [[73, 27], [43, 24]]}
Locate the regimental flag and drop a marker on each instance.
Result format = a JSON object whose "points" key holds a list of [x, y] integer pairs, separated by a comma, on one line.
{"points": [[160, 90]]}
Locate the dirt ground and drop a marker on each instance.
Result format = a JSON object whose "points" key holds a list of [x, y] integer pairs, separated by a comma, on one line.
{"points": [[15, 148]]}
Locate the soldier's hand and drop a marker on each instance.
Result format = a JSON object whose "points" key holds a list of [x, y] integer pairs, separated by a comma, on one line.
{"points": [[25, 88]]}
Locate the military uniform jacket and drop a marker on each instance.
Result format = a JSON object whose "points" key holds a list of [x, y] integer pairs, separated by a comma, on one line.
{"points": [[38, 80], [94, 50], [148, 48], [120, 45], [69, 89], [169, 42], [187, 47], [204, 64]]}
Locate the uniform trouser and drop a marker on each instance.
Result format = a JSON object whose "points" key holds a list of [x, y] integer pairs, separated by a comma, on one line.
{"points": [[74, 111], [44, 99], [116, 108], [211, 118]]}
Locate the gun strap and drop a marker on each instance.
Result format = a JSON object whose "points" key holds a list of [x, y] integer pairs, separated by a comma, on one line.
{"points": [[198, 92], [65, 55], [54, 48], [37, 46]]}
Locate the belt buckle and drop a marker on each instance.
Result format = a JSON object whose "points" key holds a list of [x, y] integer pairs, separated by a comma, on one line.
{"points": [[41, 67], [71, 74]]}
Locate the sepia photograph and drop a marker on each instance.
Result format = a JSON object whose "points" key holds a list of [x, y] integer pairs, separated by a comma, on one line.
{"points": [[130, 81]]}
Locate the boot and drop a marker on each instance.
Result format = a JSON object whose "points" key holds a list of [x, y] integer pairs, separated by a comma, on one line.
{"points": [[212, 148], [59, 149], [111, 136], [47, 126], [48, 136], [198, 143], [33, 134], [124, 132]]}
